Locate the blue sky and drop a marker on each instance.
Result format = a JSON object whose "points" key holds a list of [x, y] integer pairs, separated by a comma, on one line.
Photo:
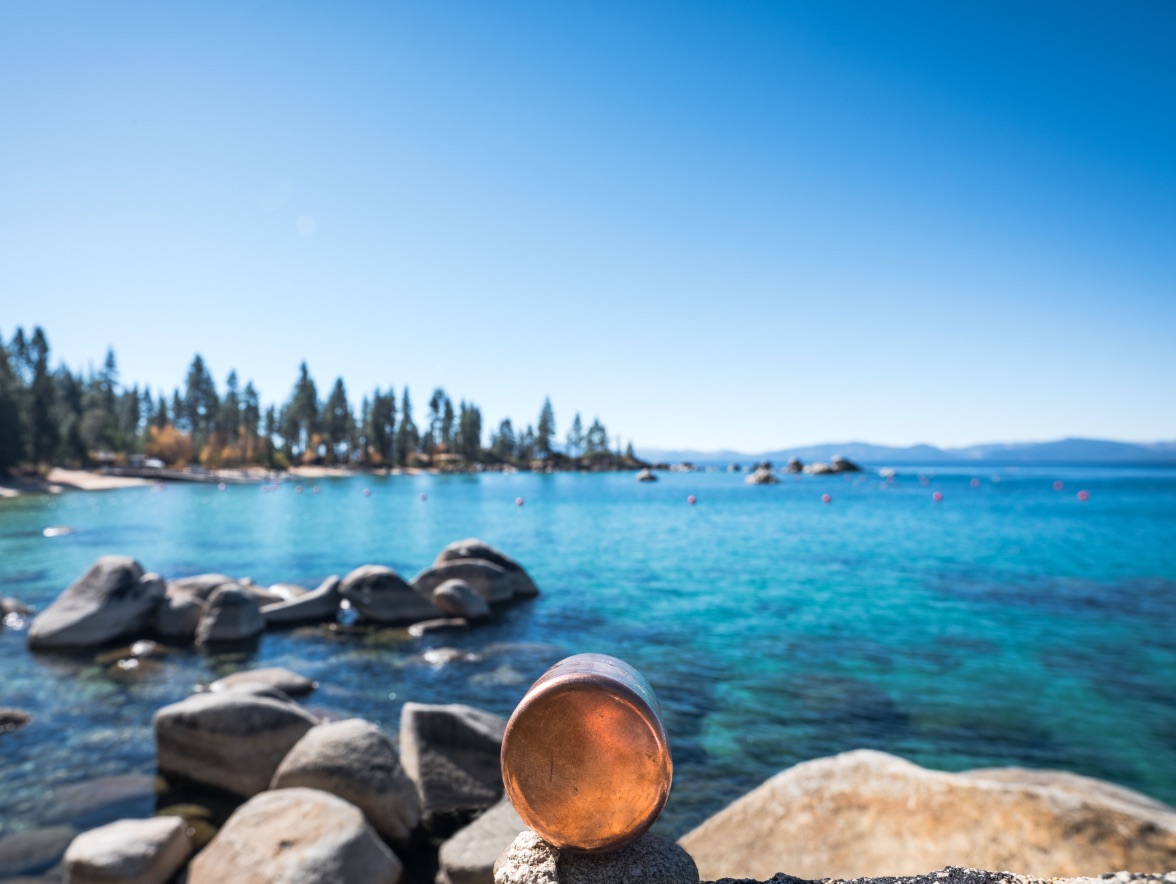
{"points": [[741, 225]]}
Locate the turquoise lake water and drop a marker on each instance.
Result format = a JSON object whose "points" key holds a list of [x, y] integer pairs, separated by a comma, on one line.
{"points": [[1009, 624]]}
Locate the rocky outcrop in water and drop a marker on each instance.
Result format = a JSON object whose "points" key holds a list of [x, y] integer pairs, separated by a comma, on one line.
{"points": [[836, 464], [232, 615], [868, 813], [456, 598], [112, 600], [477, 550], [492, 582], [319, 605], [289, 683], [381, 595]]}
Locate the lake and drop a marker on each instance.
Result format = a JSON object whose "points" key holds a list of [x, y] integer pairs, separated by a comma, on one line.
{"points": [[1008, 624]]}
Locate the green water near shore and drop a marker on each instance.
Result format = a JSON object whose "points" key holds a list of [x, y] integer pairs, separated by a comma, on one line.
{"points": [[1009, 624]]}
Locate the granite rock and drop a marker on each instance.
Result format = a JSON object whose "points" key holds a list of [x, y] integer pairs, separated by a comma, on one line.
{"points": [[492, 582], [232, 615], [456, 598], [292, 836], [473, 548], [468, 857], [322, 604], [651, 859], [289, 683], [380, 594], [229, 740], [148, 851], [867, 813], [355, 761], [112, 599], [452, 753]]}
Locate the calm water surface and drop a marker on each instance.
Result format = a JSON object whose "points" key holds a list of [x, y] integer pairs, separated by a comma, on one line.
{"points": [[1009, 624]]}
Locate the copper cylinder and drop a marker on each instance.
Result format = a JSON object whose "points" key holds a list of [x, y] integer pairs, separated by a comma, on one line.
{"points": [[585, 758]]}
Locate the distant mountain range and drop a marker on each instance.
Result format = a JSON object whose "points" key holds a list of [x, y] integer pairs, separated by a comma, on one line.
{"points": [[1063, 451]]}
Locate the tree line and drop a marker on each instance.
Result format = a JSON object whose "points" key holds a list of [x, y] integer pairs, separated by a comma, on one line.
{"points": [[53, 416]]}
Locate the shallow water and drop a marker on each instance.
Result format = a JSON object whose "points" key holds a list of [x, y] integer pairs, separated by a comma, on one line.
{"points": [[1009, 624]]}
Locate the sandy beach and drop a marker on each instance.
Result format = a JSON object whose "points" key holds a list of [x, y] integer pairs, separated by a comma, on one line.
{"points": [[60, 480]]}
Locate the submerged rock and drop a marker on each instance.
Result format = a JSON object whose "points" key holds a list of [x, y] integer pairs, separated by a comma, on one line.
{"points": [[289, 683], [310, 607], [452, 754], [651, 859], [146, 851], [354, 760], [11, 718], [100, 800], [380, 594], [112, 599], [295, 835], [230, 740], [647, 475], [867, 813], [445, 624], [761, 476], [34, 850], [179, 614]]}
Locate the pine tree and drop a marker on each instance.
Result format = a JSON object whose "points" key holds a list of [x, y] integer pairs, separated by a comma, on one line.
{"points": [[11, 425], [576, 437], [407, 437], [250, 422], [504, 444], [383, 426], [338, 423], [41, 426], [546, 430]]}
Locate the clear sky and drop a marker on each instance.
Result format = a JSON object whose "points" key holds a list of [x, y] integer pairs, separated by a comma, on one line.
{"points": [[746, 225]]}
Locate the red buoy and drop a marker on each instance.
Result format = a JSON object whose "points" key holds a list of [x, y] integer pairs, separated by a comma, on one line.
{"points": [[367, 492], [826, 498], [518, 501], [424, 496], [1059, 485], [1084, 495], [975, 483], [937, 496], [691, 499], [220, 486], [315, 489], [297, 489]]}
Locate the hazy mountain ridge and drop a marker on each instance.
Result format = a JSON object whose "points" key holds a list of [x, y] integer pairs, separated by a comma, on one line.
{"points": [[1099, 451]]}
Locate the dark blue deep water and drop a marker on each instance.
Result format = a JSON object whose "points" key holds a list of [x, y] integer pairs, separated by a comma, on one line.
{"points": [[1009, 624]]}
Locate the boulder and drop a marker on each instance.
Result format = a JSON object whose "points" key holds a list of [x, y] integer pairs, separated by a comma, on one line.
{"points": [[452, 753], [795, 465], [651, 859], [287, 591], [179, 614], [472, 548], [492, 582], [11, 718], [199, 585], [100, 800], [310, 607], [354, 760], [146, 851], [289, 683], [381, 595], [9, 605], [232, 615], [230, 740], [647, 475], [114, 598], [761, 476], [468, 857], [867, 813], [34, 850], [262, 594], [456, 598], [295, 835]]}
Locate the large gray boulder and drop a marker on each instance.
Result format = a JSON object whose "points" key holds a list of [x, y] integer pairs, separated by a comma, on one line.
{"points": [[490, 581], [312, 607], [456, 598], [354, 760], [231, 740], [113, 599], [473, 548], [232, 615], [199, 585], [867, 813], [292, 836], [761, 476], [381, 595], [179, 614], [289, 683], [468, 857], [146, 851], [651, 859], [452, 753]]}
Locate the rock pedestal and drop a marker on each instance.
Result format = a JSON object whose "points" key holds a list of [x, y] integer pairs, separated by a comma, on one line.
{"points": [[650, 859]]}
